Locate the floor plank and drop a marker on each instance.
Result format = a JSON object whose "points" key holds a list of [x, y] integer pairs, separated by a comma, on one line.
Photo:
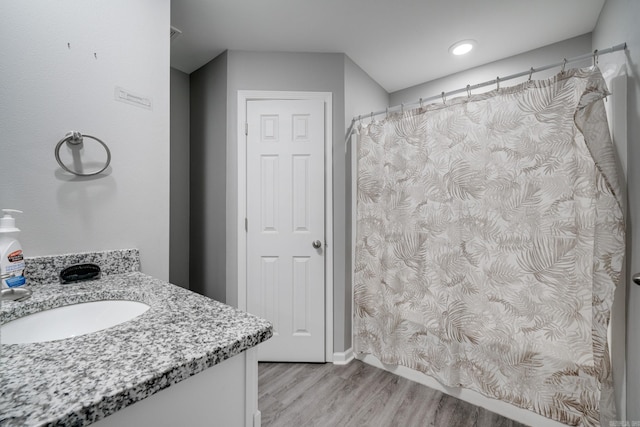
{"points": [[357, 394]]}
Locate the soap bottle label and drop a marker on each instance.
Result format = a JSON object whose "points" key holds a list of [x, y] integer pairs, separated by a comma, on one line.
{"points": [[14, 270]]}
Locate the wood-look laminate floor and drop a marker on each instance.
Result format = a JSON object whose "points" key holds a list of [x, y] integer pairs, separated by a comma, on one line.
{"points": [[327, 395]]}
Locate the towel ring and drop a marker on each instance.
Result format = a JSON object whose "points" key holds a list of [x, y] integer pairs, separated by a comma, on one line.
{"points": [[74, 138]]}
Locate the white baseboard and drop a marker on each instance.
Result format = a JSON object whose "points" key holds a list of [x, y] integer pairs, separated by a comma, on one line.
{"points": [[344, 357], [499, 407]]}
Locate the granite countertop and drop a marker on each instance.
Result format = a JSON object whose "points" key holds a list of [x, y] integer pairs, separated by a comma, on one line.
{"points": [[80, 380]]}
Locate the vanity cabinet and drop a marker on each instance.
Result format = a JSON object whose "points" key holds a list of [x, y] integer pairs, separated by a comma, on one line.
{"points": [[224, 395]]}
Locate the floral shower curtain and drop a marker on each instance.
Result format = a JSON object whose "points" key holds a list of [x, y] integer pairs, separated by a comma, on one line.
{"points": [[489, 241]]}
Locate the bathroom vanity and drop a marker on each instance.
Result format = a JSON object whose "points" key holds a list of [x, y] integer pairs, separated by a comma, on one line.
{"points": [[188, 360]]}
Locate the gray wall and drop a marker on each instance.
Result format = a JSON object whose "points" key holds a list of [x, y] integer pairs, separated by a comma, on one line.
{"points": [[618, 23], [361, 95], [208, 135], [214, 119], [321, 72], [514, 64], [179, 180]]}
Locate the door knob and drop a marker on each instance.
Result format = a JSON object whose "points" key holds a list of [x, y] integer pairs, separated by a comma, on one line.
{"points": [[636, 278], [317, 244]]}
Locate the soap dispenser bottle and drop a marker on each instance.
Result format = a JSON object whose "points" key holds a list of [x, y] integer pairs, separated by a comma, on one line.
{"points": [[11, 257]]}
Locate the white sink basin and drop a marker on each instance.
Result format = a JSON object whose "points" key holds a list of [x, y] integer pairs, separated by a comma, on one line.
{"points": [[69, 321]]}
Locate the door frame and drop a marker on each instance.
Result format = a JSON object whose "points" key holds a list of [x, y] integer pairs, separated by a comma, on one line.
{"points": [[262, 95]]}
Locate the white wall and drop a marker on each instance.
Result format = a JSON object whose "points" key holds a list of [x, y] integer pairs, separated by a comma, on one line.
{"points": [[53, 83], [618, 23], [179, 187]]}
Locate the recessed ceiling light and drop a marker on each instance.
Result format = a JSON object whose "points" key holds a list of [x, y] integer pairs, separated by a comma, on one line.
{"points": [[462, 47]]}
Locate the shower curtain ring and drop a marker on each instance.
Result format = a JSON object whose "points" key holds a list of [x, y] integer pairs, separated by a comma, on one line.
{"points": [[386, 111], [564, 64], [530, 74], [595, 58], [402, 108], [497, 82], [468, 91], [421, 103], [371, 117], [444, 98]]}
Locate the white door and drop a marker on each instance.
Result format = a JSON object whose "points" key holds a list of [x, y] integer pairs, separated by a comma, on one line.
{"points": [[285, 226]]}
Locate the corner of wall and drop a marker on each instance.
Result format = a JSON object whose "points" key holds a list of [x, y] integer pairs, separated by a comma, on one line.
{"points": [[208, 135], [179, 179]]}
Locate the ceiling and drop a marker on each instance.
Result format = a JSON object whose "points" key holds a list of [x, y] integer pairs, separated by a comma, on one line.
{"points": [[399, 43]]}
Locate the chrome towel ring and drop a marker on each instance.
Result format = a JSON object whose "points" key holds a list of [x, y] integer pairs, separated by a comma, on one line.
{"points": [[74, 138]]}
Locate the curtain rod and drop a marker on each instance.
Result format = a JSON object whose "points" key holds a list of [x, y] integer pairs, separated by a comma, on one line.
{"points": [[596, 53]]}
